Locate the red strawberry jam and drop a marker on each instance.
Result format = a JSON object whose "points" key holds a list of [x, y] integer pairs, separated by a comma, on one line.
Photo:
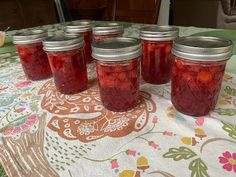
{"points": [[67, 62], [197, 75], [87, 46], [69, 71], [118, 69], [156, 61], [34, 61], [196, 86], [157, 43], [119, 84], [33, 58]]}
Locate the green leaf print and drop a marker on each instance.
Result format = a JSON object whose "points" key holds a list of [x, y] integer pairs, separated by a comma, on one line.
{"points": [[231, 129], [179, 153], [2, 172], [198, 168], [227, 112], [230, 91]]}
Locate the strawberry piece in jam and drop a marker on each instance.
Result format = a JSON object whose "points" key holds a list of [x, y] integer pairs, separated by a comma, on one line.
{"points": [[196, 85], [156, 61], [34, 61], [119, 84], [69, 70]]}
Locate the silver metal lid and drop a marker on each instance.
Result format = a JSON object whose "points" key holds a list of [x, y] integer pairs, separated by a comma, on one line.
{"points": [[203, 48], [116, 49], [159, 33], [62, 43], [72, 34], [108, 28], [30, 36], [79, 26]]}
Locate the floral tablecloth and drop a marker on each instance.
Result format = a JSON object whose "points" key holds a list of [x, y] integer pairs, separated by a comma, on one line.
{"points": [[46, 134]]}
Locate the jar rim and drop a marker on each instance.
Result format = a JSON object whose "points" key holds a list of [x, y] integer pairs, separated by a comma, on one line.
{"points": [[116, 49], [62, 43], [107, 28], [159, 33], [30, 36], [203, 48]]}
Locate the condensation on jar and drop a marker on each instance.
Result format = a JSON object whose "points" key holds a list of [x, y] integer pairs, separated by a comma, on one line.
{"points": [[107, 30], [33, 58], [198, 69], [67, 62], [84, 28], [118, 69], [156, 61]]}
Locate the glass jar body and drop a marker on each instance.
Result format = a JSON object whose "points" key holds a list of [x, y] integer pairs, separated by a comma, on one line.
{"points": [[119, 84], [156, 61], [87, 46], [34, 61], [69, 70], [195, 85]]}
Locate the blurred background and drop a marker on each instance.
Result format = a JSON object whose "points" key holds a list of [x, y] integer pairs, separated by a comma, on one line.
{"points": [[200, 13]]}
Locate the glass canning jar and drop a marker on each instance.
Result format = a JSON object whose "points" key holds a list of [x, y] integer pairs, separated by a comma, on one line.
{"points": [[67, 62], [107, 30], [198, 68], [156, 61], [83, 27], [33, 58], [118, 70]]}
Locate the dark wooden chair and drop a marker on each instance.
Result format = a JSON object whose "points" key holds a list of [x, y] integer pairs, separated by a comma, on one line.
{"points": [[26, 13], [140, 11], [89, 9]]}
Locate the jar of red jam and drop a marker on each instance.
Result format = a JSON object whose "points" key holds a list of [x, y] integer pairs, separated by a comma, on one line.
{"points": [[118, 66], [198, 68], [156, 61], [33, 58], [107, 30], [83, 27], [67, 61]]}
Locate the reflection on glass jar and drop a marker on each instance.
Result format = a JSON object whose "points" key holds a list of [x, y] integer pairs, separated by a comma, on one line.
{"points": [[67, 62], [197, 75], [33, 58], [118, 72], [156, 56]]}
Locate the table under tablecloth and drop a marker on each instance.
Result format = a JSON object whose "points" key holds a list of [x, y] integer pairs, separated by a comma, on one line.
{"points": [[44, 133]]}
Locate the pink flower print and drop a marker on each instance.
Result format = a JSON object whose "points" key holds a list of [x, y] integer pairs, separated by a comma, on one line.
{"points": [[23, 84], [153, 144], [131, 152], [155, 120], [114, 164], [168, 133], [16, 130], [21, 126], [3, 89], [200, 121], [20, 110], [229, 161]]}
